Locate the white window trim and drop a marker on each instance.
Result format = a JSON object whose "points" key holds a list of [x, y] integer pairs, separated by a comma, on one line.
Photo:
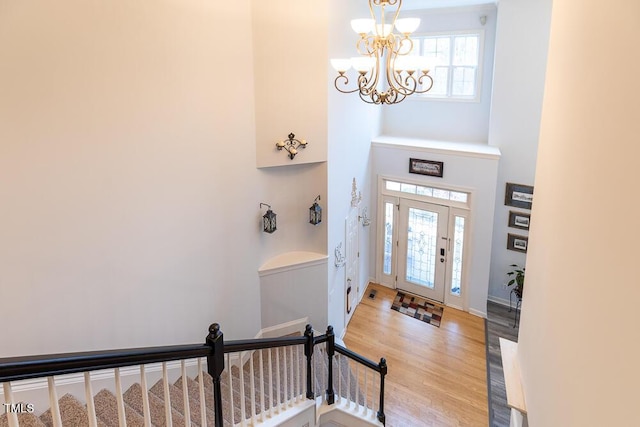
{"points": [[479, 71]]}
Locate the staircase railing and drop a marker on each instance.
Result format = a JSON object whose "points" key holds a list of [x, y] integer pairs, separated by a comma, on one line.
{"points": [[294, 354]]}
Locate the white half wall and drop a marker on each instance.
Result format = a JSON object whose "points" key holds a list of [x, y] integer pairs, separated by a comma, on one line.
{"points": [[293, 285]]}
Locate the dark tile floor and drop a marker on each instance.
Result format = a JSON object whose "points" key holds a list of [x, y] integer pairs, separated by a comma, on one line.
{"points": [[499, 324]]}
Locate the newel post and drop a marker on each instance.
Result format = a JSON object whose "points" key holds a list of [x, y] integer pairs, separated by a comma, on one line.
{"points": [[331, 348], [215, 366], [308, 352], [383, 372]]}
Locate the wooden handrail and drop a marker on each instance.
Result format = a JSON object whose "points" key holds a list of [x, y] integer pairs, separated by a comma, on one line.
{"points": [[29, 367], [26, 367]]}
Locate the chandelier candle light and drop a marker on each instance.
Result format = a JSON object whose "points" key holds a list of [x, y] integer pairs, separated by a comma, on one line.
{"points": [[385, 55]]}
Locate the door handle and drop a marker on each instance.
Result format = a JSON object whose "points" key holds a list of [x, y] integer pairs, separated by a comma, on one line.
{"points": [[442, 252]]}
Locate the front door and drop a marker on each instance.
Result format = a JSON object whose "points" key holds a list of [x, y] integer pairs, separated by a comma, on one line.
{"points": [[422, 248]]}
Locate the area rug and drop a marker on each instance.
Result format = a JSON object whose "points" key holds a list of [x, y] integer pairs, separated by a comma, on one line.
{"points": [[418, 308]]}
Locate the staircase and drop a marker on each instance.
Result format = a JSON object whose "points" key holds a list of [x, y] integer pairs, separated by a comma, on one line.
{"points": [[258, 387]]}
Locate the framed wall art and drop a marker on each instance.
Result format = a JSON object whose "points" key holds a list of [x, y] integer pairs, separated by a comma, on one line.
{"points": [[518, 195], [517, 243], [519, 220], [426, 167]]}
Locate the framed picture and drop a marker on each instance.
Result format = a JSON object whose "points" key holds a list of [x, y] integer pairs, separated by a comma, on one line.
{"points": [[517, 243], [426, 167], [518, 195], [519, 220]]}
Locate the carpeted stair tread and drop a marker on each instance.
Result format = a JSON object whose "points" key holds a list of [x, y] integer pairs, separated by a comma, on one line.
{"points": [[208, 397], [194, 400], [72, 412], [133, 397], [176, 401], [24, 420], [107, 410]]}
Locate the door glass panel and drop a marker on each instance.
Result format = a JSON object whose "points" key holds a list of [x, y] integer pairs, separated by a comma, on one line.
{"points": [[458, 241], [421, 247], [388, 237]]}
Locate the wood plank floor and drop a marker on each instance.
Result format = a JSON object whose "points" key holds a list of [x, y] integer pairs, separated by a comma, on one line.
{"points": [[437, 376], [499, 324]]}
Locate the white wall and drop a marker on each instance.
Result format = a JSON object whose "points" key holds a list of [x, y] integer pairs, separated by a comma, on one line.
{"points": [[519, 72], [291, 96], [447, 120], [290, 58], [578, 346], [473, 172], [351, 126], [127, 197], [290, 54]]}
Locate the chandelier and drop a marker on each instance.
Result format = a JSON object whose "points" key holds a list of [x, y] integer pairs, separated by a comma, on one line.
{"points": [[387, 71]]}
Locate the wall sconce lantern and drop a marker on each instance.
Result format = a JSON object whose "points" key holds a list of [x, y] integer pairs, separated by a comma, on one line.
{"points": [[291, 145], [268, 219], [315, 212]]}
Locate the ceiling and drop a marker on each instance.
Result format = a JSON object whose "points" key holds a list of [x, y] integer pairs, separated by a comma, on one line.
{"points": [[431, 4]]}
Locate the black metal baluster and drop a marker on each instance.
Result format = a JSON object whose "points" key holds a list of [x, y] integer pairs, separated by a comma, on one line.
{"points": [[215, 367], [308, 352], [331, 397], [383, 372]]}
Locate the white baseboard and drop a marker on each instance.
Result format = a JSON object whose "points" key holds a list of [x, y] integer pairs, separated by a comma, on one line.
{"points": [[482, 314], [497, 300]]}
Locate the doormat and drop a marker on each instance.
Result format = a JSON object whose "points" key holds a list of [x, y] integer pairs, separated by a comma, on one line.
{"points": [[418, 308]]}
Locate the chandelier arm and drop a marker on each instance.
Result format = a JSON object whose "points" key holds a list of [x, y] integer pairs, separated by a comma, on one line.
{"points": [[389, 2], [395, 16], [369, 43], [346, 82], [369, 100], [393, 77], [373, 14], [430, 83], [395, 45], [366, 87], [376, 73], [410, 84], [406, 87]]}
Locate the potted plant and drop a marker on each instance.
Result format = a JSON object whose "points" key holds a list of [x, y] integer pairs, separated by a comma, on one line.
{"points": [[517, 279]]}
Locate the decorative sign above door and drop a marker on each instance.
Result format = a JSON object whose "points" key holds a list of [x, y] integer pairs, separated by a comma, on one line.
{"points": [[426, 167]]}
